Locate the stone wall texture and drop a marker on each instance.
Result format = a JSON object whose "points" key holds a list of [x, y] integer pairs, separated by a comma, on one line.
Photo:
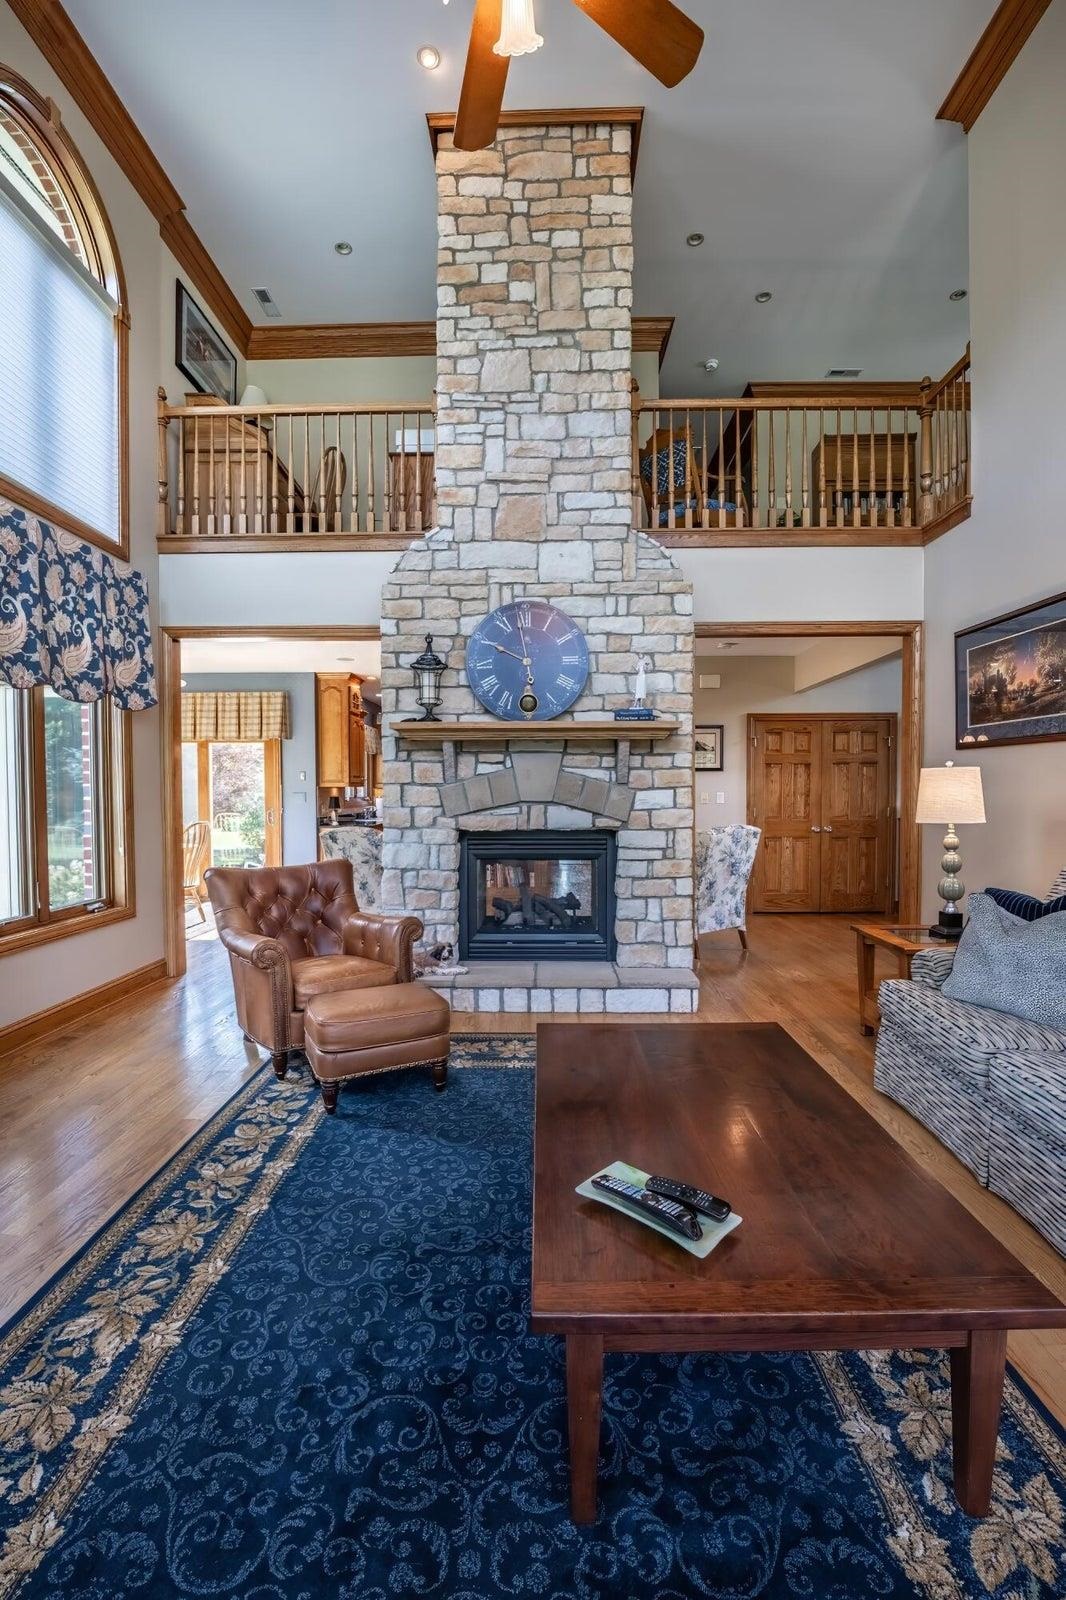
{"points": [[534, 307]]}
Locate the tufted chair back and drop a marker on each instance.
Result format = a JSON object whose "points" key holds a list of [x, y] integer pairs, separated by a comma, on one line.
{"points": [[303, 908]]}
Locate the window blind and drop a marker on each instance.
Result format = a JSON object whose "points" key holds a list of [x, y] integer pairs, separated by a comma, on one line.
{"points": [[58, 372]]}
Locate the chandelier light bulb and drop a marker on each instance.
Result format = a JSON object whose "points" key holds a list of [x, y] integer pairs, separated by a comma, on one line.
{"points": [[518, 36]]}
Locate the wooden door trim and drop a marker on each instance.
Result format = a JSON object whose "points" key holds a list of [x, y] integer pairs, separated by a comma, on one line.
{"points": [[168, 667], [911, 722], [272, 796]]}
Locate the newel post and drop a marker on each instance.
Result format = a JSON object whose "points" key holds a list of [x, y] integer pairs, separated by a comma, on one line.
{"points": [[925, 454], [162, 516]]}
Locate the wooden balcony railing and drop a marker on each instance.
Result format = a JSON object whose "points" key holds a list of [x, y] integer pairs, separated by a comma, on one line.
{"points": [[873, 464], [879, 464], [250, 475]]}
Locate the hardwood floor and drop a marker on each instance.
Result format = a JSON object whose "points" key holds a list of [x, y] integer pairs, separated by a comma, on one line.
{"points": [[89, 1113]]}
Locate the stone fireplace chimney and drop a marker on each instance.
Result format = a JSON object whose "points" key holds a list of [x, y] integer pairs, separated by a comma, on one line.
{"points": [[534, 492]]}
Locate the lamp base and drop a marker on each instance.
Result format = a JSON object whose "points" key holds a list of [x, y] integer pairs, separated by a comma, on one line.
{"points": [[947, 926]]}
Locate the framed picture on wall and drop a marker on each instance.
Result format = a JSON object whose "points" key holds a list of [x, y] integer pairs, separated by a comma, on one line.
{"points": [[708, 747], [202, 353], [1010, 677]]}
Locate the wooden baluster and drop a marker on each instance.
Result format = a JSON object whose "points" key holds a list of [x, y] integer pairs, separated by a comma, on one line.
{"points": [[320, 517], [273, 525], [723, 494], [163, 466], [925, 454], [938, 455], [196, 528], [420, 521], [242, 498], [838, 492], [353, 509], [966, 429], [229, 501], [805, 474], [671, 486], [856, 488], [214, 482], [634, 457], [906, 511], [371, 516], [260, 440], [290, 519], [823, 508], [738, 490], [890, 507], [653, 446], [771, 475], [403, 472], [874, 515], [180, 518], [756, 501], [788, 467]]}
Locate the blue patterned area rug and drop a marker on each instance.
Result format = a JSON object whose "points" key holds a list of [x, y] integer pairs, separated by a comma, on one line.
{"points": [[297, 1365]]}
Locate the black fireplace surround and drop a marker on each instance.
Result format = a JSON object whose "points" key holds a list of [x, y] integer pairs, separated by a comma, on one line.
{"points": [[538, 893]]}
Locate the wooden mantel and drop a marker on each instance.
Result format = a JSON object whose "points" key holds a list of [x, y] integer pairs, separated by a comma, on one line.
{"points": [[494, 731]]}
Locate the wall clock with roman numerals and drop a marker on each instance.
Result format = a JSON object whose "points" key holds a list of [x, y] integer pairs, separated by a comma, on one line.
{"points": [[527, 661]]}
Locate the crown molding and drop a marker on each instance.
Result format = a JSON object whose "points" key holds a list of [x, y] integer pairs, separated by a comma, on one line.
{"points": [[319, 341], [66, 52], [652, 334], [992, 57], [575, 116]]}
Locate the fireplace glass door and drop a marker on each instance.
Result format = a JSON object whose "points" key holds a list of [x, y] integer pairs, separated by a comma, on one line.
{"points": [[539, 893]]}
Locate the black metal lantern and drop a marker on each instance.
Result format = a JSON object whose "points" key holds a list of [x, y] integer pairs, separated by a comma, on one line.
{"points": [[428, 671]]}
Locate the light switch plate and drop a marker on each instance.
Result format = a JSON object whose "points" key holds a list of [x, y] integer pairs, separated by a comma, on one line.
{"points": [[719, 798]]}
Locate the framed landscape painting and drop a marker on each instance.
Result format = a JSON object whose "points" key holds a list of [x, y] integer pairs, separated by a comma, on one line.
{"points": [[202, 353], [1010, 677], [708, 746]]}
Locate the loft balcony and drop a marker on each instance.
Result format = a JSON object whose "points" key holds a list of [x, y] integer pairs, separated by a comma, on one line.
{"points": [[785, 463]]}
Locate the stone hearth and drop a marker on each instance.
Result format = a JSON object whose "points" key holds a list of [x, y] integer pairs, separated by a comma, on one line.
{"points": [[534, 494]]}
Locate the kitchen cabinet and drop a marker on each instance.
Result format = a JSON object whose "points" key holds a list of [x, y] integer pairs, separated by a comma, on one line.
{"points": [[340, 730]]}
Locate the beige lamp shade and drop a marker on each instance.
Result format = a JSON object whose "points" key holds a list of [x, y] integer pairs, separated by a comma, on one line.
{"points": [[950, 794], [253, 396]]}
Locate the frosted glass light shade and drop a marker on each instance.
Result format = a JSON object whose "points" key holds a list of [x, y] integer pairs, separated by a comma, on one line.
{"points": [[518, 34], [950, 794]]}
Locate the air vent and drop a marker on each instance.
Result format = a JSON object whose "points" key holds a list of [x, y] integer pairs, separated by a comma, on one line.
{"points": [[266, 301], [844, 372]]}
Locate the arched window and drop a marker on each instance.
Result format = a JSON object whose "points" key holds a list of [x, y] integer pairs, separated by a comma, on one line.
{"points": [[63, 329]]}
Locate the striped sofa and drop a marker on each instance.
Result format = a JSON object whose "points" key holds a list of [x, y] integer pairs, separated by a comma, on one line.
{"points": [[992, 1087]]}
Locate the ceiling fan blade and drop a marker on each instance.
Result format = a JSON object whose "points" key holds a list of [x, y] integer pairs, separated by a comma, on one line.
{"points": [[654, 32], [478, 116]]}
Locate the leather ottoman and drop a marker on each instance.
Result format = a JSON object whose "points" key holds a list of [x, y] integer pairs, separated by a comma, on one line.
{"points": [[356, 1031]]}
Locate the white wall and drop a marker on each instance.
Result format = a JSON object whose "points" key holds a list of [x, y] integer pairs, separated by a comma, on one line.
{"points": [[299, 799], [1012, 550], [34, 980], [752, 684]]}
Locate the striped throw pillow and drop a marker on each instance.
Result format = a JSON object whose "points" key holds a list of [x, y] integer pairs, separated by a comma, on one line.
{"points": [[1026, 906]]}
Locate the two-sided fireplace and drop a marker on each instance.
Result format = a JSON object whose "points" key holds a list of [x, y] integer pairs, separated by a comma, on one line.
{"points": [[541, 893]]}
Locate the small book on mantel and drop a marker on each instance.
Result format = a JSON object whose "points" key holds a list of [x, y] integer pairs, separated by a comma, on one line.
{"points": [[636, 714]]}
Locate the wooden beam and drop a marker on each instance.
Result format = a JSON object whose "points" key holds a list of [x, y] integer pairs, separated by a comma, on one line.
{"points": [[63, 47], [652, 334], [575, 116], [1012, 23]]}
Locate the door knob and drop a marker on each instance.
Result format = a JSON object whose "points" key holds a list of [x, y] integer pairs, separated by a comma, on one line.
{"points": [[828, 828], [816, 830]]}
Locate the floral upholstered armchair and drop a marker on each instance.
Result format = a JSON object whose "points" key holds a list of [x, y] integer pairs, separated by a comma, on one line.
{"points": [[724, 859], [362, 847]]}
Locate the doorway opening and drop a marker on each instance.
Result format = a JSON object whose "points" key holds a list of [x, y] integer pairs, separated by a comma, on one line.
{"points": [[811, 732], [272, 742]]}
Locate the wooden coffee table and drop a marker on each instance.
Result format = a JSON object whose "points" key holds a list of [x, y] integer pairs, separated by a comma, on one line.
{"points": [[846, 1243]]}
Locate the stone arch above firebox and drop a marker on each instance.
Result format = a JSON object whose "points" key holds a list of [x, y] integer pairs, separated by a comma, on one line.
{"points": [[539, 777]]}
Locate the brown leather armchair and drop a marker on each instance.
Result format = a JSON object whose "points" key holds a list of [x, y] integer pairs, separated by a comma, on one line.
{"points": [[294, 932]]}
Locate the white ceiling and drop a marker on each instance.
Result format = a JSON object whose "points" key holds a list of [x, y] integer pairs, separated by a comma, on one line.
{"points": [[804, 146], [246, 654]]}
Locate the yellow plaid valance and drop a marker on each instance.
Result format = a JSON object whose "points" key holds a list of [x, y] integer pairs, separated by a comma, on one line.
{"points": [[235, 716]]}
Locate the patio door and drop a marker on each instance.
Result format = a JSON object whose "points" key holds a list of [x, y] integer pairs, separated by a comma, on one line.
{"points": [[236, 789]]}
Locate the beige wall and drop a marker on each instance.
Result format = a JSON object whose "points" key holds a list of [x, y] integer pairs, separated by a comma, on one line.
{"points": [[751, 684], [1011, 552], [34, 980]]}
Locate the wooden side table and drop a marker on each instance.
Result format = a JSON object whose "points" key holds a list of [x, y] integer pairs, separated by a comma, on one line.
{"points": [[906, 942]]}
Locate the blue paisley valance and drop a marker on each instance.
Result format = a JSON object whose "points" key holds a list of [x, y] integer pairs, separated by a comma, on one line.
{"points": [[71, 617]]}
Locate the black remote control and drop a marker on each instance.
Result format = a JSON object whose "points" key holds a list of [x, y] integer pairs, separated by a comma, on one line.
{"points": [[709, 1204], [672, 1215]]}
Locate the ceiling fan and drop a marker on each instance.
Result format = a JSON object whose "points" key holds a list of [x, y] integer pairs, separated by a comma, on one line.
{"points": [[654, 32]]}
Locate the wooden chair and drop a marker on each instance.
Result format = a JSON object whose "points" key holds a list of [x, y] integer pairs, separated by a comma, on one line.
{"points": [[196, 850], [325, 493]]}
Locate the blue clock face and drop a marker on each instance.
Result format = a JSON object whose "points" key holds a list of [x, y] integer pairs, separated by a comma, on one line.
{"points": [[527, 661]]}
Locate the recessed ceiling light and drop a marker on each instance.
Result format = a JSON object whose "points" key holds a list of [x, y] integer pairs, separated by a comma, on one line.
{"points": [[762, 297], [429, 57], [342, 247], [958, 294], [695, 240], [711, 364]]}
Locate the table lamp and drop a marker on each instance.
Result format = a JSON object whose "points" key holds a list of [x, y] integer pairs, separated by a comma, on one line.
{"points": [[950, 795]]}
